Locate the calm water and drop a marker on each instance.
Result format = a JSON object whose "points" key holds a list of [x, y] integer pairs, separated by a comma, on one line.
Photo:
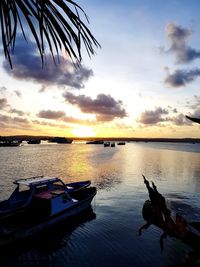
{"points": [[107, 235]]}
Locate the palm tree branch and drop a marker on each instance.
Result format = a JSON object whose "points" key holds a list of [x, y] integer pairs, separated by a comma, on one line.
{"points": [[53, 17], [197, 120]]}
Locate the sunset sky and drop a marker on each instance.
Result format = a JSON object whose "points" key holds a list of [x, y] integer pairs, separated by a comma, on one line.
{"points": [[141, 83]]}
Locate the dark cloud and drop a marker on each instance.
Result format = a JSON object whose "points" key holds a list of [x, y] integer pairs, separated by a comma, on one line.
{"points": [[181, 77], [174, 110], [16, 111], [52, 115], [105, 107], [27, 66], [61, 116], [178, 37], [153, 116], [14, 122], [3, 103]]}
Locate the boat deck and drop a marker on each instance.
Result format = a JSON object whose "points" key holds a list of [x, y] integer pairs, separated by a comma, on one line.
{"points": [[50, 194]]}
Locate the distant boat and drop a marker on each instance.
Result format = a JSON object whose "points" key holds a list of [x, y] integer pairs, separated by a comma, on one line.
{"points": [[10, 143], [112, 144], [121, 143], [48, 206], [34, 142], [106, 144], [61, 140], [96, 142]]}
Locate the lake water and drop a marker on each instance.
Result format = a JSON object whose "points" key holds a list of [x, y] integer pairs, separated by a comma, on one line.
{"points": [[107, 235]]}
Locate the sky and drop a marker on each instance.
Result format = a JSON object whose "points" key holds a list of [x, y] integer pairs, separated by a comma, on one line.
{"points": [[141, 82]]}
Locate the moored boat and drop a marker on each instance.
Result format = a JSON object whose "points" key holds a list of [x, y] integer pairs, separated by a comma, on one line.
{"points": [[121, 143], [47, 209], [21, 199], [48, 205], [10, 143], [60, 140], [34, 142], [96, 142], [106, 144]]}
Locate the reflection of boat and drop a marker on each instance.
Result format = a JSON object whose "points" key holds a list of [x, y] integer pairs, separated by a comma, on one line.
{"points": [[106, 144], [121, 143], [48, 206], [10, 143], [47, 241], [96, 142], [55, 240], [34, 142], [21, 199]]}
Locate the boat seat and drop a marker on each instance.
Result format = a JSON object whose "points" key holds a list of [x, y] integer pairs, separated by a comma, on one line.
{"points": [[57, 192]]}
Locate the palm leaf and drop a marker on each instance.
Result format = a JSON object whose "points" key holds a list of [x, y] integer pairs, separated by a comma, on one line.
{"points": [[54, 24], [197, 120]]}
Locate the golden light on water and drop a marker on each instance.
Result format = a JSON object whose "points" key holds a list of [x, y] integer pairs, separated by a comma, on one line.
{"points": [[83, 131]]}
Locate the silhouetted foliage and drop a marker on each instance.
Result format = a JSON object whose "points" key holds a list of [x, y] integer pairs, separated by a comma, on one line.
{"points": [[197, 120], [155, 212], [56, 23]]}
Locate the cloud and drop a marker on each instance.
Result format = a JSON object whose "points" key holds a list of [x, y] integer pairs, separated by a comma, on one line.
{"points": [[14, 122], [3, 103], [196, 113], [180, 120], [61, 116], [16, 111], [48, 124], [194, 103], [178, 37], [18, 93], [181, 77], [27, 66], [153, 116], [51, 115], [175, 110], [2, 89], [78, 121], [105, 107]]}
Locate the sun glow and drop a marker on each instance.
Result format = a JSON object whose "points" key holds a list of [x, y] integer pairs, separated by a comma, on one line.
{"points": [[83, 131]]}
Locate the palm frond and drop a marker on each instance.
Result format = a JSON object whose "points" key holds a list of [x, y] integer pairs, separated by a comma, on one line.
{"points": [[57, 23], [197, 120]]}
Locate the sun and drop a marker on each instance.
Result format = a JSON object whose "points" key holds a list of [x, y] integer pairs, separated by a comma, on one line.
{"points": [[83, 131]]}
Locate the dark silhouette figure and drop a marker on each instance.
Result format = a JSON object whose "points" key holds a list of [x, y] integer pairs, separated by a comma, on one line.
{"points": [[155, 212]]}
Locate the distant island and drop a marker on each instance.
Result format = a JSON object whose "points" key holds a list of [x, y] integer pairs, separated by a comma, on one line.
{"points": [[27, 138]]}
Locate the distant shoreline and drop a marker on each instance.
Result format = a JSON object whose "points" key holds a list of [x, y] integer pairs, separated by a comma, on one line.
{"points": [[126, 139]]}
